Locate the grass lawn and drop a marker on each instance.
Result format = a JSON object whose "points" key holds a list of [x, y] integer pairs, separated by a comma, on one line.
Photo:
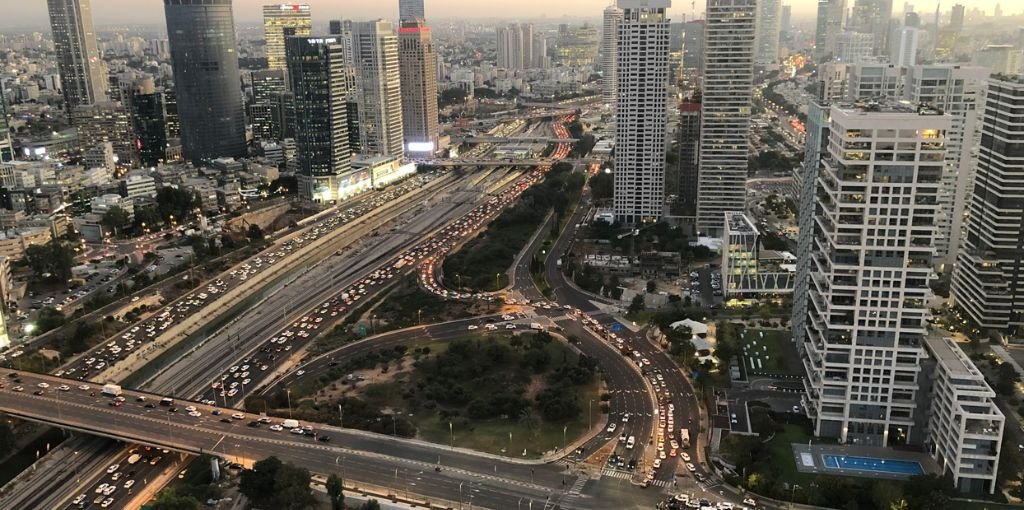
{"points": [[769, 352], [536, 436], [782, 454]]}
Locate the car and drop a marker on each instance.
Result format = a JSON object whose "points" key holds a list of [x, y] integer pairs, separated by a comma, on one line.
{"points": [[750, 501], [216, 412], [64, 387], [622, 438], [473, 327], [116, 476], [625, 418], [43, 385], [323, 439], [83, 387], [107, 502], [18, 389], [276, 428], [195, 414], [691, 467], [226, 420], [113, 468], [685, 456], [38, 392], [155, 460], [190, 408], [611, 427], [238, 416], [102, 487], [796, 409], [128, 484], [79, 500], [510, 326]]}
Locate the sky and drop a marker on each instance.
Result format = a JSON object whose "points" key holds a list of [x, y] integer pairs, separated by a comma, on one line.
{"points": [[33, 12]]}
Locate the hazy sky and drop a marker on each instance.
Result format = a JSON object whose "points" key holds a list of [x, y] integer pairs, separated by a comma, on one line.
{"points": [[33, 12]]}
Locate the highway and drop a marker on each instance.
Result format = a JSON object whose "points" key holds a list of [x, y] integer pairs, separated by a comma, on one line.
{"points": [[494, 482]]}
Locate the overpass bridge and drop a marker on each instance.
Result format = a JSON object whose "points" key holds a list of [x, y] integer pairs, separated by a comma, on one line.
{"points": [[500, 162], [513, 139], [424, 469]]}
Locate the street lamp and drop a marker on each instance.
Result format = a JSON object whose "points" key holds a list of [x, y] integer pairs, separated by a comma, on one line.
{"points": [[288, 392]]}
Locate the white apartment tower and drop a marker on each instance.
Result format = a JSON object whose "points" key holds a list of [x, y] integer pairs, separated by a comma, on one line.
{"points": [[281, 21], [768, 25], [640, 140], [903, 46], [375, 54], [988, 283], [957, 90], [869, 259], [725, 112], [610, 56], [417, 59]]}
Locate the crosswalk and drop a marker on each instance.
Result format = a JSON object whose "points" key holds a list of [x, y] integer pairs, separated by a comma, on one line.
{"points": [[577, 487], [625, 475]]}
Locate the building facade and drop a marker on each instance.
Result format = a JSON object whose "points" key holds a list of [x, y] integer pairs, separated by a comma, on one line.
{"points": [[516, 45], [375, 48], [988, 282], [82, 73], [417, 58], [148, 124], [689, 150], [725, 112], [830, 22], [411, 10], [281, 21], [643, 82], [768, 26], [869, 258], [317, 74], [6, 147], [267, 86], [207, 83], [610, 57]]}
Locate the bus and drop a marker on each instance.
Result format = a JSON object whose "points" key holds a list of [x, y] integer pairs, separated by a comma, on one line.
{"points": [[684, 437]]}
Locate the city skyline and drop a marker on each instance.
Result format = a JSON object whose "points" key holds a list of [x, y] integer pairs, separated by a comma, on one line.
{"points": [[250, 11]]}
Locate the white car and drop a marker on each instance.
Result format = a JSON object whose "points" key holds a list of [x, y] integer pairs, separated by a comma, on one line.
{"points": [[691, 467], [83, 387], [128, 484], [611, 427], [750, 501], [238, 416], [190, 408], [685, 456], [276, 428], [510, 326], [64, 387], [113, 468], [473, 327], [43, 385], [195, 414], [625, 418]]}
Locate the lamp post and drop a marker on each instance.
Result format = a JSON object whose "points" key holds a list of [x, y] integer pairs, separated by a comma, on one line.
{"points": [[497, 281], [451, 432], [288, 392]]}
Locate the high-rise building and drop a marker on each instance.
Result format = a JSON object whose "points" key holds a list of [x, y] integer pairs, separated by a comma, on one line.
{"points": [[417, 59], [380, 95], [279, 22], [6, 148], [1000, 58], [873, 17], [82, 73], [206, 78], [874, 80], [988, 282], [147, 106], [869, 263], [610, 56], [689, 148], [768, 26], [958, 91], [693, 45], [903, 46], [643, 82], [830, 22], [853, 47], [725, 112], [516, 44], [411, 10], [956, 18], [317, 75], [267, 85], [106, 121], [786, 19], [171, 114]]}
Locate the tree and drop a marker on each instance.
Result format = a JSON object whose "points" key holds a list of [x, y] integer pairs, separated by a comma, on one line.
{"points": [[370, 505], [6, 438], [255, 233], [637, 304], [335, 488], [274, 484], [115, 219], [49, 318], [52, 260], [147, 217], [601, 185], [171, 499], [652, 286], [177, 204]]}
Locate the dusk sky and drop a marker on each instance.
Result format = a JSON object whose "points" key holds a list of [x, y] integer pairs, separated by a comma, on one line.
{"points": [[33, 12]]}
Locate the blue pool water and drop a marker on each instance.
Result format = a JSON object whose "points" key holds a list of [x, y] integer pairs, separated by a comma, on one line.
{"points": [[871, 464]]}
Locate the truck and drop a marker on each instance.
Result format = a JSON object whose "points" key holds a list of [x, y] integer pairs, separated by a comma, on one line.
{"points": [[536, 326], [133, 458], [290, 424], [111, 390], [684, 437]]}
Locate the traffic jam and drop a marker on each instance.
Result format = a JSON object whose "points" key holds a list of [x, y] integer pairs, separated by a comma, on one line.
{"points": [[144, 332]]}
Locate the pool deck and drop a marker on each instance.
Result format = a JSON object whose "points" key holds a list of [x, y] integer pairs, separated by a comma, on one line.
{"points": [[803, 454]]}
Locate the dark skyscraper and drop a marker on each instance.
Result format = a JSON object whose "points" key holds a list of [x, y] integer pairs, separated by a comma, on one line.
{"points": [[148, 123], [689, 146], [316, 71], [267, 85], [206, 78], [409, 10]]}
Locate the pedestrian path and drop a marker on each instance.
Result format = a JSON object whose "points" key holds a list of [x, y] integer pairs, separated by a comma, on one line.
{"points": [[577, 487], [626, 475]]}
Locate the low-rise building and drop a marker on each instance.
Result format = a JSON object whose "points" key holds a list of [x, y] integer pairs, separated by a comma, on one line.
{"points": [[965, 428], [136, 185], [749, 269], [14, 242]]}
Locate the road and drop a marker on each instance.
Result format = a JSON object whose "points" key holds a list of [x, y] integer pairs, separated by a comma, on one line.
{"points": [[493, 482]]}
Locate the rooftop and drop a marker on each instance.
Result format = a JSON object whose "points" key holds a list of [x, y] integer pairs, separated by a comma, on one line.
{"points": [[884, 106], [946, 352]]}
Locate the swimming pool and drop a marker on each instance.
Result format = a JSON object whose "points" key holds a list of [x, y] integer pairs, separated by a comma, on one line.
{"points": [[871, 464]]}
